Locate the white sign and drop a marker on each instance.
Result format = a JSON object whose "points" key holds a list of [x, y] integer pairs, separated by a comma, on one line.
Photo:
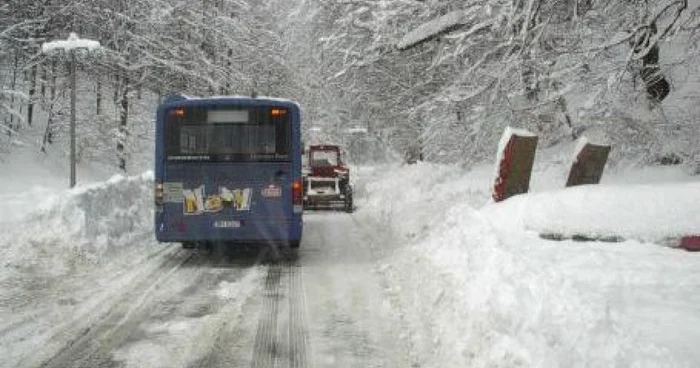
{"points": [[227, 116], [172, 192], [227, 224]]}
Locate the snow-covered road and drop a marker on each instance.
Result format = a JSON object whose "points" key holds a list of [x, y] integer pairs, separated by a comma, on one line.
{"points": [[321, 306], [431, 275]]}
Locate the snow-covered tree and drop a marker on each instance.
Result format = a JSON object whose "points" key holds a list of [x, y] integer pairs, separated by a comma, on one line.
{"points": [[452, 74], [438, 79]]}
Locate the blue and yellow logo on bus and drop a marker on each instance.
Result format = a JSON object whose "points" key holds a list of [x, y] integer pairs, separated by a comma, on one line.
{"points": [[196, 202]]}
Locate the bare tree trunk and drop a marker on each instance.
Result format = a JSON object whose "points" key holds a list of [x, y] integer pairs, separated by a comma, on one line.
{"points": [[656, 84], [48, 133], [123, 124], [13, 85], [98, 97], [44, 76], [117, 86], [53, 80], [32, 94]]}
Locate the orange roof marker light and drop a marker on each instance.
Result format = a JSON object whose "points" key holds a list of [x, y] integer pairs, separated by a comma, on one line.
{"points": [[278, 112], [179, 112]]}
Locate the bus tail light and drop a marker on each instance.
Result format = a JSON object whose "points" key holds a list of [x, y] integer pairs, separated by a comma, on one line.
{"points": [[297, 195], [278, 112], [159, 194], [178, 112]]}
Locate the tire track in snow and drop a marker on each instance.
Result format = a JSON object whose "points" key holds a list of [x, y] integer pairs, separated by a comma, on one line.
{"points": [[282, 334], [265, 350], [231, 335], [298, 330], [93, 348]]}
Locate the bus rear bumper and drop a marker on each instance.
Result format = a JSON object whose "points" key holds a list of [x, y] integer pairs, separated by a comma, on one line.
{"points": [[229, 231]]}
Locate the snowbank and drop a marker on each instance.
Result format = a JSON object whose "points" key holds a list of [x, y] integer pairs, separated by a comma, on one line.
{"points": [[498, 295], [65, 253], [654, 213], [96, 216], [80, 225]]}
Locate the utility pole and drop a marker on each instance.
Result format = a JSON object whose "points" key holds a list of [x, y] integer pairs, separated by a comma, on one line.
{"points": [[70, 45]]}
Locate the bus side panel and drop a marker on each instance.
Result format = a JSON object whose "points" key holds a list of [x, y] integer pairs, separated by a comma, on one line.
{"points": [[159, 145], [159, 167]]}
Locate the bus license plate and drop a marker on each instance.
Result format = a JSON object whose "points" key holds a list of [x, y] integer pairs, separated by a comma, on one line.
{"points": [[227, 224], [272, 192]]}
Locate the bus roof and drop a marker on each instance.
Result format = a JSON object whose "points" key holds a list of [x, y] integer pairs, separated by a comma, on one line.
{"points": [[180, 99]]}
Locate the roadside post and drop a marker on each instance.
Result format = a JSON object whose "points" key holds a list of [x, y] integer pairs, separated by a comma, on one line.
{"points": [[515, 158], [691, 243], [588, 163]]}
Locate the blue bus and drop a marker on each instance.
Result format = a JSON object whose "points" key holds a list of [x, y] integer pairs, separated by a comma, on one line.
{"points": [[228, 169]]}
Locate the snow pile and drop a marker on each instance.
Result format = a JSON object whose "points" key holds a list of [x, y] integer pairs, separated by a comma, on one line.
{"points": [[487, 292], [68, 253], [86, 222], [99, 215], [654, 213], [421, 190]]}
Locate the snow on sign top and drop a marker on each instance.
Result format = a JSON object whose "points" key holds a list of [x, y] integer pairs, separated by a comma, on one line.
{"points": [[73, 42], [581, 144], [505, 138]]}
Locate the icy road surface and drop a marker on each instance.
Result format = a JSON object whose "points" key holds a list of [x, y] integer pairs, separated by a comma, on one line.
{"points": [[321, 306]]}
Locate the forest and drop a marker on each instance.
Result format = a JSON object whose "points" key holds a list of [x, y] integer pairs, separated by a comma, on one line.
{"points": [[434, 79]]}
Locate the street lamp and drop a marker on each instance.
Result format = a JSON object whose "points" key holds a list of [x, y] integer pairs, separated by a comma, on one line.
{"points": [[70, 45]]}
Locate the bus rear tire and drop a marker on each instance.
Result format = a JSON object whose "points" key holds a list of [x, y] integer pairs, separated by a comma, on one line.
{"points": [[294, 244], [189, 245]]}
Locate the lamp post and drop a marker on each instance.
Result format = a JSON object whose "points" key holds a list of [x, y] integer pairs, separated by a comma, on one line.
{"points": [[71, 44]]}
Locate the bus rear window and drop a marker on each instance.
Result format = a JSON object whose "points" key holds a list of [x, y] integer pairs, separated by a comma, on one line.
{"points": [[260, 134]]}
